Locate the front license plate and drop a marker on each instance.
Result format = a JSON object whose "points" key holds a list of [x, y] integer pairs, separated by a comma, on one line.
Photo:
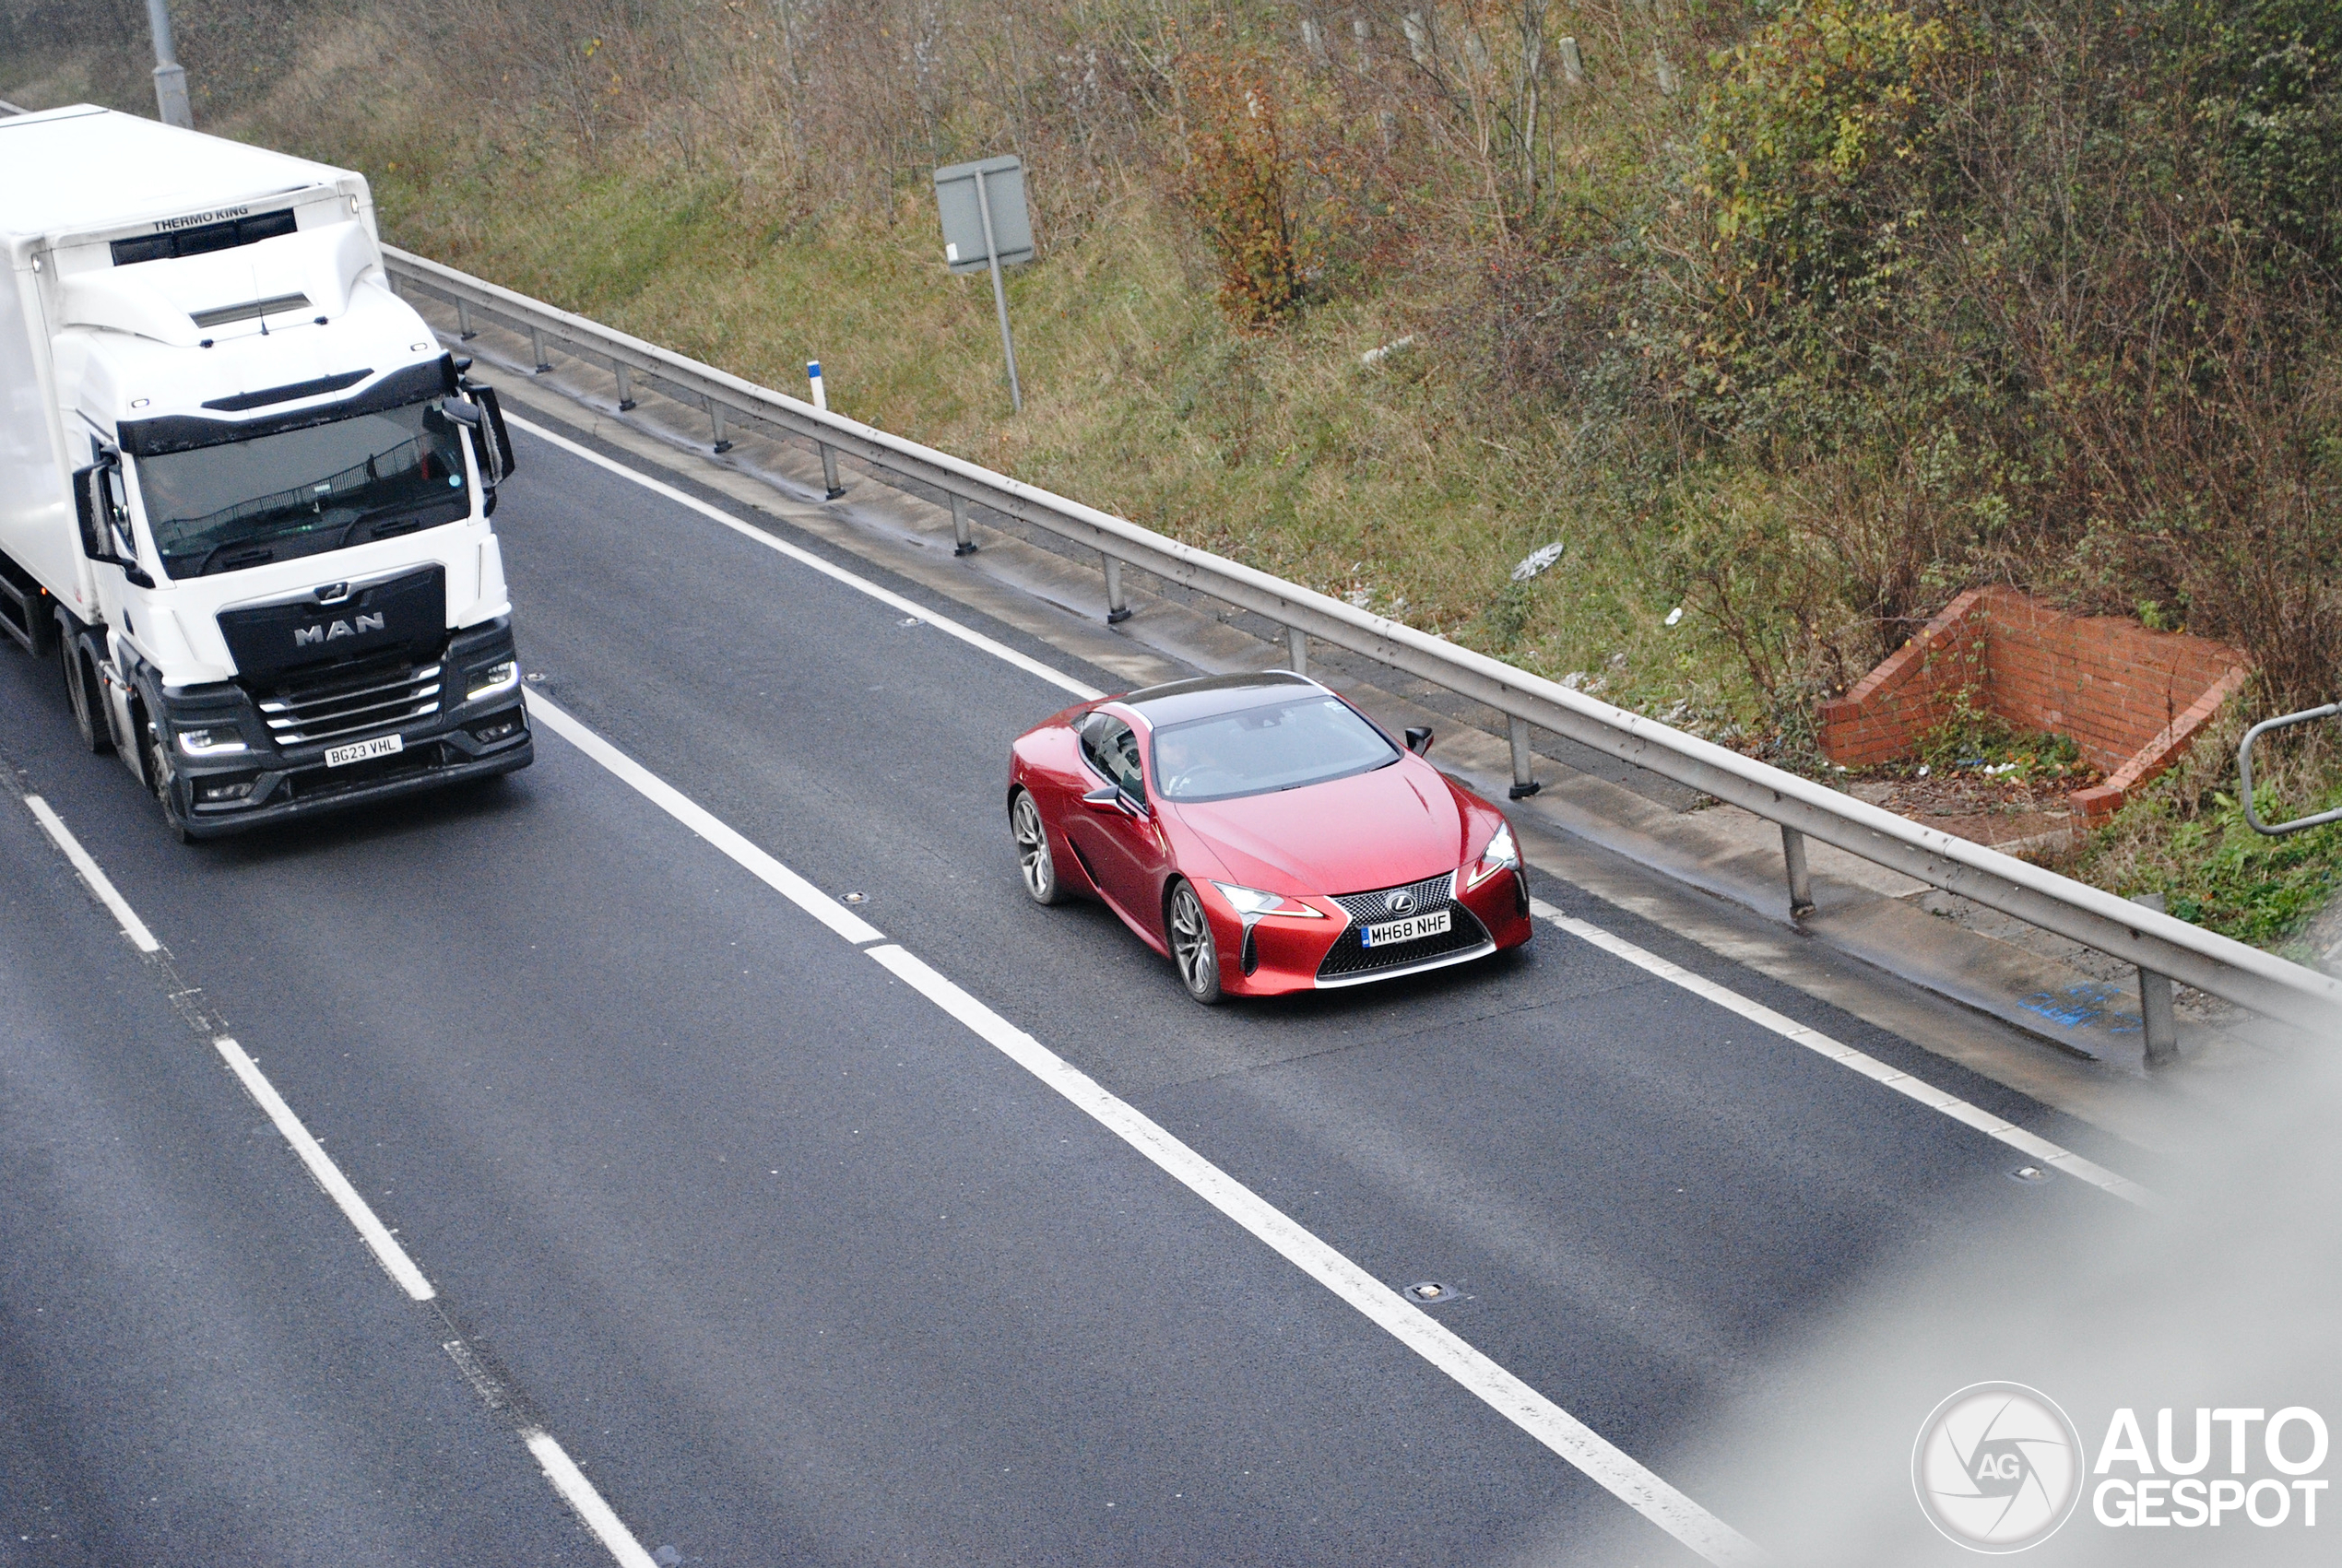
{"points": [[384, 746], [1414, 928]]}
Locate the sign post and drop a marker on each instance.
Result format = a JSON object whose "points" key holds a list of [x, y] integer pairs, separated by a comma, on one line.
{"points": [[987, 224]]}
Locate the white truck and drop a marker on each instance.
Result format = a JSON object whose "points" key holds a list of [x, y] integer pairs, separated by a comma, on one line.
{"points": [[245, 494]]}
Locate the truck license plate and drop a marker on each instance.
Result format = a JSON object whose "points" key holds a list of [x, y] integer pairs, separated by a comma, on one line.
{"points": [[385, 744], [1390, 933]]}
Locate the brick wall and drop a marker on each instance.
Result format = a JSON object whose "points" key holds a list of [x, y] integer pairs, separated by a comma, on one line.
{"points": [[2132, 700]]}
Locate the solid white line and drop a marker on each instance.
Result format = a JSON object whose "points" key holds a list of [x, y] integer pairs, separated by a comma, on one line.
{"points": [[566, 1478], [1845, 1055], [1532, 1411], [972, 637], [1560, 1432], [97, 880], [313, 1154], [672, 801], [579, 1492]]}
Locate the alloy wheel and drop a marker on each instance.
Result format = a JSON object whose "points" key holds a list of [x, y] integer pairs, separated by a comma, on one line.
{"points": [[1192, 947], [1033, 849]]}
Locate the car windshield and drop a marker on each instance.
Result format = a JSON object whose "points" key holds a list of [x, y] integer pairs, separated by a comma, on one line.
{"points": [[239, 503], [1280, 745]]}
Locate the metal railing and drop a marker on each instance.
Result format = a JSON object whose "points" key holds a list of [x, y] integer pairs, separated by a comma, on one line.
{"points": [[2244, 772], [2157, 943]]}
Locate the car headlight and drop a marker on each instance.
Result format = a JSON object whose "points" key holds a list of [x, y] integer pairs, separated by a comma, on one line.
{"points": [[1500, 856], [210, 742], [1254, 903], [494, 679]]}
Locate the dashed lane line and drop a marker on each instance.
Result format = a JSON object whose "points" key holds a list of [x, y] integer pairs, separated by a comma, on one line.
{"points": [[560, 1471], [1561, 1432], [1813, 1039]]}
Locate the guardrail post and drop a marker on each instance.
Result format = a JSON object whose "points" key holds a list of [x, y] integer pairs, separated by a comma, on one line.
{"points": [[1116, 610], [1524, 775], [715, 417], [625, 389], [1297, 647], [537, 337], [2162, 1025], [833, 489], [1801, 881], [962, 543], [465, 332]]}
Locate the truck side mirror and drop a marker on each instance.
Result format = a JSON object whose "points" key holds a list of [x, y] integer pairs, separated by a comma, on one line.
{"points": [[102, 504], [496, 443]]}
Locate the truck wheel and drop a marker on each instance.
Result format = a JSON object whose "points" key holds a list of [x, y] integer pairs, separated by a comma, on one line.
{"points": [[160, 778], [87, 717]]}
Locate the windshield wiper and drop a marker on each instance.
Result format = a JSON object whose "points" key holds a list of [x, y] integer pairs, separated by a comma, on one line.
{"points": [[255, 554], [384, 519]]}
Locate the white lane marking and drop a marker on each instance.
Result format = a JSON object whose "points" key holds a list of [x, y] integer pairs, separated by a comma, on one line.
{"points": [[579, 1493], [969, 635], [1845, 1055], [1565, 1434], [1561, 1432], [672, 801], [567, 1480], [313, 1154], [96, 880]]}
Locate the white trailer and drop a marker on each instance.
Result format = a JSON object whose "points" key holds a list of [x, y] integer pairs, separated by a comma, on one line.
{"points": [[244, 495]]}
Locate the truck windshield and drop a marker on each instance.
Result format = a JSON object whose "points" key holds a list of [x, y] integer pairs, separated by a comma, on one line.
{"points": [[299, 492]]}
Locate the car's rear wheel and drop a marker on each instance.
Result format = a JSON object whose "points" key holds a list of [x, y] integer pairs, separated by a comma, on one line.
{"points": [[1032, 855], [1192, 946]]}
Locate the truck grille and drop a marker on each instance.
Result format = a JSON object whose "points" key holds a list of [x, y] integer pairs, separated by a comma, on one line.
{"points": [[355, 700], [1349, 956]]}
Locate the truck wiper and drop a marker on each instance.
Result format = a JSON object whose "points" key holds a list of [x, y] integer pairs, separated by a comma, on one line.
{"points": [[254, 555], [387, 520]]}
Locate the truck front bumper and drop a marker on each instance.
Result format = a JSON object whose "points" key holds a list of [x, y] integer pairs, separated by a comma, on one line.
{"points": [[276, 779]]}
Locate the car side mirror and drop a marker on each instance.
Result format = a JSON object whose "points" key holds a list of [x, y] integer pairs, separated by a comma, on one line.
{"points": [[1114, 797], [1419, 740]]}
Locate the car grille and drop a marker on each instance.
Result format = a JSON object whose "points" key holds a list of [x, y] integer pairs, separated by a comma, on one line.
{"points": [[1348, 956], [354, 700]]}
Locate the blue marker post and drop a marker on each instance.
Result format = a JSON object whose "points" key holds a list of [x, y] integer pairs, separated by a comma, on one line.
{"points": [[829, 452]]}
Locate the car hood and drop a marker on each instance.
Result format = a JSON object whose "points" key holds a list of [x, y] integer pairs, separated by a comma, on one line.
{"points": [[1375, 830]]}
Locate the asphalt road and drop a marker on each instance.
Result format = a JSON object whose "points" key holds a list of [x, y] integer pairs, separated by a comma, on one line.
{"points": [[796, 1267]]}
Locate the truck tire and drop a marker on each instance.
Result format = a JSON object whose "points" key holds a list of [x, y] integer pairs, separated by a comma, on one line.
{"points": [[89, 715], [160, 778]]}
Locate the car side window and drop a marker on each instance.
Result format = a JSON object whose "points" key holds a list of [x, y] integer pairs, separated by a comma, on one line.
{"points": [[1108, 745]]}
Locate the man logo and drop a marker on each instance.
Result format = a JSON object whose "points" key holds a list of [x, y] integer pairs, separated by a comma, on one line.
{"points": [[304, 635], [1997, 1467]]}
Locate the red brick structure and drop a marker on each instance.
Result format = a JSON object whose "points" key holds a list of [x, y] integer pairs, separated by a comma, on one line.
{"points": [[2131, 698]]}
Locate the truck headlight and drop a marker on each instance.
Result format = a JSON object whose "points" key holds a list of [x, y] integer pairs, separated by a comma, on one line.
{"points": [[494, 679], [210, 742]]}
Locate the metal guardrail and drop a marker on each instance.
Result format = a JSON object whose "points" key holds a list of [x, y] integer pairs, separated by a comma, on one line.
{"points": [[2156, 942], [2244, 772]]}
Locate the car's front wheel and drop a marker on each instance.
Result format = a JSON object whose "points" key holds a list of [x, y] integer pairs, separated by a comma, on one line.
{"points": [[1192, 946], [1033, 857]]}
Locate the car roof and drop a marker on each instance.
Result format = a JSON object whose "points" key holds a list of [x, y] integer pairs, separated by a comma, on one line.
{"points": [[1179, 700]]}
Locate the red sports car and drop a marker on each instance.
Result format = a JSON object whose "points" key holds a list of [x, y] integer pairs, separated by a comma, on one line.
{"points": [[1265, 834]]}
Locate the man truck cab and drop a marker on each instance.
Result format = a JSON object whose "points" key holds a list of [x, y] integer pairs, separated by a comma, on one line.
{"points": [[245, 494]]}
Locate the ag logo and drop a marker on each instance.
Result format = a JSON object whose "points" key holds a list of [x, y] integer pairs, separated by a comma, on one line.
{"points": [[1997, 1467]]}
